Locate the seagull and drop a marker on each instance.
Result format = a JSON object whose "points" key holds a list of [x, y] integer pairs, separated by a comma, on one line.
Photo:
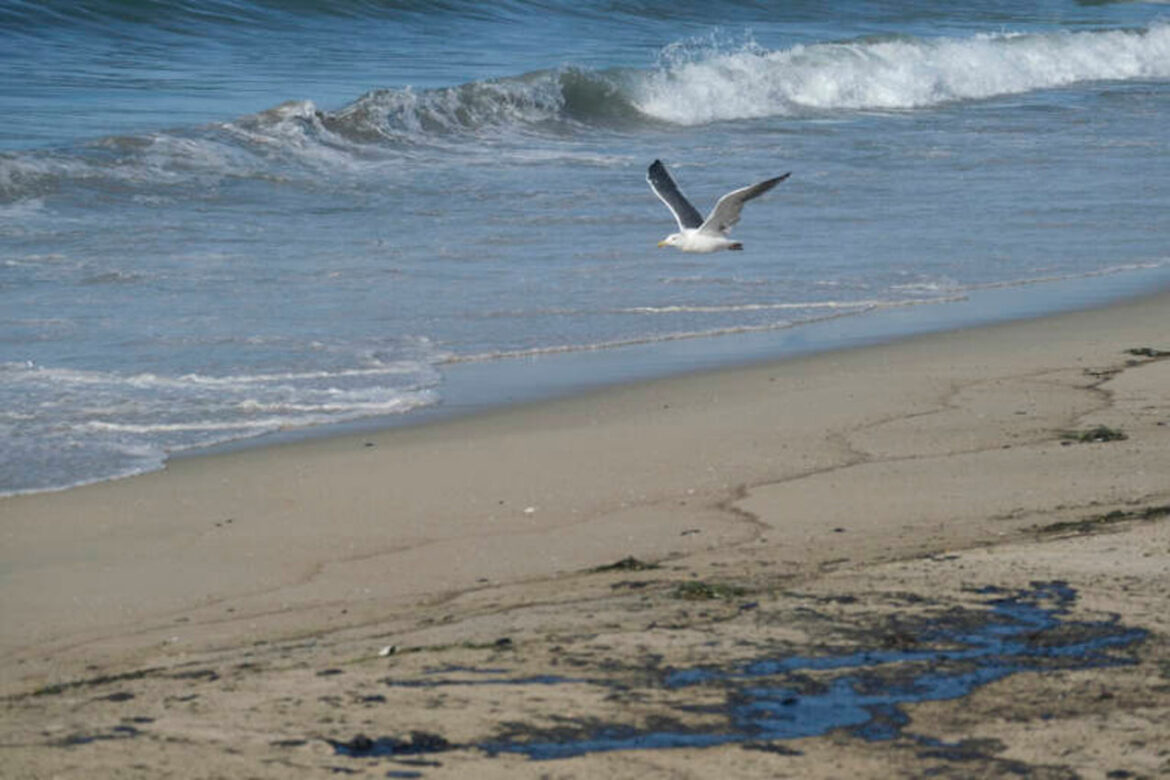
{"points": [[695, 233]]}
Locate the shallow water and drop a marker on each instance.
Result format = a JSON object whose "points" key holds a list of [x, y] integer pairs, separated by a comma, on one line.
{"points": [[224, 219]]}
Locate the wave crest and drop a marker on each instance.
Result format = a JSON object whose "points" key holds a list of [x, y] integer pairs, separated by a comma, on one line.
{"points": [[693, 84], [894, 73], [549, 98], [706, 82]]}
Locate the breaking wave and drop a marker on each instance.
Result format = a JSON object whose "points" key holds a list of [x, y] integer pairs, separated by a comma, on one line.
{"points": [[694, 83], [701, 82], [894, 73]]}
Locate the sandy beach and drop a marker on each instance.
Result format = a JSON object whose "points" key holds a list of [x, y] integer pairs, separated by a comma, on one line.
{"points": [[946, 556]]}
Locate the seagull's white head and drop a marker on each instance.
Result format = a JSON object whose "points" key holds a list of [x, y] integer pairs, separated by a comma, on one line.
{"points": [[671, 240]]}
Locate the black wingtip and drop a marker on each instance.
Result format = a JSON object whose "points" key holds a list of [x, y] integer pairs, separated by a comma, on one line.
{"points": [[770, 183]]}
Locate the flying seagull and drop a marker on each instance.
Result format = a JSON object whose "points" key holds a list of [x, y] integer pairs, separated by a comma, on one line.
{"points": [[695, 233]]}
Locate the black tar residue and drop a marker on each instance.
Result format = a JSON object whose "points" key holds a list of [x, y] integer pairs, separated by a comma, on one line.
{"points": [[774, 699]]}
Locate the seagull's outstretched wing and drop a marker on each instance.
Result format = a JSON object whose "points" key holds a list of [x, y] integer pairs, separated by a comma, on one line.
{"points": [[664, 187], [726, 211]]}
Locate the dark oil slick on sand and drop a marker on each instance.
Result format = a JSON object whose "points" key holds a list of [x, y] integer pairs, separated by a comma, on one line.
{"points": [[769, 700]]}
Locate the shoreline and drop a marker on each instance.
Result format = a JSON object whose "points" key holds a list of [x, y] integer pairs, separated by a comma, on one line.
{"points": [[475, 386], [929, 465], [519, 380]]}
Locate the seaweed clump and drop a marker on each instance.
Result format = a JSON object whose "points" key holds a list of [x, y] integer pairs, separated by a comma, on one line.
{"points": [[1149, 352], [1100, 433], [696, 590], [629, 563], [1097, 522]]}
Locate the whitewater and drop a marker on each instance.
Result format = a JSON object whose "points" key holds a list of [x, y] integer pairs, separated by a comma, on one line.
{"points": [[259, 219]]}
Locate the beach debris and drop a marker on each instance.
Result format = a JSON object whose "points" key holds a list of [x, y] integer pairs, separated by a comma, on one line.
{"points": [[419, 742], [388, 650], [1095, 522], [207, 675], [116, 732], [697, 590], [529, 510], [118, 696], [631, 584], [1100, 433], [778, 748], [1149, 352], [629, 563]]}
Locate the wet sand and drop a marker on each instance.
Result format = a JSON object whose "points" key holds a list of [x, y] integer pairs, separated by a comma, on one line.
{"points": [[966, 533]]}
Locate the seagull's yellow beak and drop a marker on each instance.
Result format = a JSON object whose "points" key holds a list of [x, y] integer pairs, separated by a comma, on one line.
{"points": [[662, 243]]}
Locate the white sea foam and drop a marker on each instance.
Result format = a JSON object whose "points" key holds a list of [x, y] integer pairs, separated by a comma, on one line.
{"points": [[277, 416], [787, 306], [828, 310], [902, 73], [61, 423], [1110, 270]]}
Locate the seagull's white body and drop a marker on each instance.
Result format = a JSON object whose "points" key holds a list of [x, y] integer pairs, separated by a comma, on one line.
{"points": [[695, 233], [695, 240]]}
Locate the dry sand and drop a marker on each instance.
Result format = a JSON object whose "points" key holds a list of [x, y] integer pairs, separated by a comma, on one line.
{"points": [[234, 614]]}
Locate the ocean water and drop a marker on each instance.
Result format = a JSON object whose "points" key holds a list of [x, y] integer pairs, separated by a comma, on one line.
{"points": [[226, 218]]}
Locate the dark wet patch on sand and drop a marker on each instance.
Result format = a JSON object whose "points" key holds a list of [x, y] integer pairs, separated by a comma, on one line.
{"points": [[771, 699]]}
